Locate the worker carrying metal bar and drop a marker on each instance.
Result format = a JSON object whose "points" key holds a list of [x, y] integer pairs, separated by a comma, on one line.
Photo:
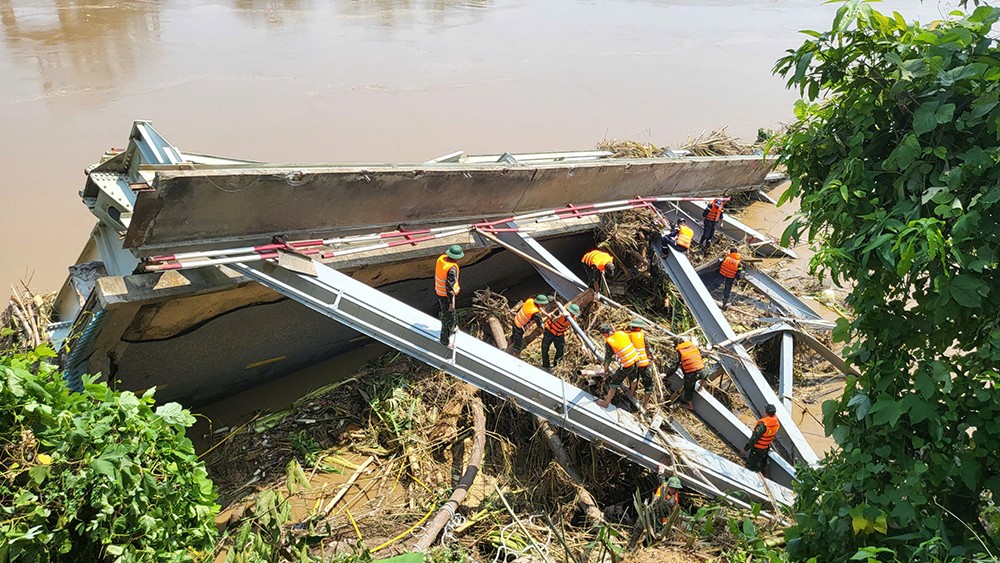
{"points": [[638, 338], [712, 216], [555, 333], [618, 346], [760, 441], [599, 264], [680, 237], [532, 311], [692, 365], [446, 287]]}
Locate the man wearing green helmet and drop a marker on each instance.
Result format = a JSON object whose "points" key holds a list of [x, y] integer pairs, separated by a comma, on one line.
{"points": [[531, 311], [446, 287], [667, 496], [555, 331]]}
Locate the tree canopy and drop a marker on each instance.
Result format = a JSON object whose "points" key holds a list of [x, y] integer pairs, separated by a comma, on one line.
{"points": [[894, 156]]}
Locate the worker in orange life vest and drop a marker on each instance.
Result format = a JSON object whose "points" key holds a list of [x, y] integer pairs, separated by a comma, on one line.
{"points": [[531, 311], [691, 363], [446, 287], [638, 338], [619, 347], [555, 331], [680, 238], [599, 264], [712, 215], [764, 432], [730, 271], [667, 496]]}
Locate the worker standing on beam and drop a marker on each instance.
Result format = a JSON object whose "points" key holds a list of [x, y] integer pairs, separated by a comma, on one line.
{"points": [[618, 346], [531, 311], [764, 432], [691, 364], [712, 215], [680, 238], [638, 338], [555, 333], [730, 271], [446, 287], [599, 264]]}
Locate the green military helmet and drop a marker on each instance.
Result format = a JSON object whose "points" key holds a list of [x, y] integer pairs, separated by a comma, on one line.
{"points": [[541, 299], [637, 323], [573, 308], [674, 483], [455, 252]]}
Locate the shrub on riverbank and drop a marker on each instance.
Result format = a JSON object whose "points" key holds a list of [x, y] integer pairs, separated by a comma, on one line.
{"points": [[98, 475]]}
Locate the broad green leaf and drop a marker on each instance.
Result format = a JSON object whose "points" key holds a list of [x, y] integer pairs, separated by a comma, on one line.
{"points": [[924, 118], [967, 290], [173, 413]]}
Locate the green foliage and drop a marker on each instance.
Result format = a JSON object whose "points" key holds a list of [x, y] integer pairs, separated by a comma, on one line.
{"points": [[897, 172], [98, 475]]}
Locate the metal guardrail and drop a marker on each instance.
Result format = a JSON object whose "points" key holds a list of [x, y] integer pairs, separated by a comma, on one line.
{"points": [[373, 313]]}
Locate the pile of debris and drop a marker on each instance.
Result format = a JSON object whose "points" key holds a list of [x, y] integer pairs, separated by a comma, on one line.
{"points": [[23, 321]]}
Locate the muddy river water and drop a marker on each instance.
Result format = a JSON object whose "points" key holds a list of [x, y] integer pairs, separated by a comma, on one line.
{"points": [[382, 80]]}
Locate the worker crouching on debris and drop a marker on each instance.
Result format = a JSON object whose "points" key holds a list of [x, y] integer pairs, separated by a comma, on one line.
{"points": [[555, 333], [680, 238], [599, 264], [712, 215], [759, 445], [667, 496], [638, 338], [446, 287], [730, 271], [691, 364], [531, 312], [618, 346]]}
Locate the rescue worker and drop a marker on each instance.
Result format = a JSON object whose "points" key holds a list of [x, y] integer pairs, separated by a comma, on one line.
{"points": [[599, 264], [638, 338], [531, 312], [555, 331], [691, 364], [764, 432], [679, 238], [446, 287], [618, 346], [667, 496], [730, 271], [712, 215]]}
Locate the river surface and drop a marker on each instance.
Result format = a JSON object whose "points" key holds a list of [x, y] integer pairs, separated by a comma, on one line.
{"points": [[379, 80]]}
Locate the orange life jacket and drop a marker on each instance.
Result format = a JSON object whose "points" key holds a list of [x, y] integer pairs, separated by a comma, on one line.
{"points": [[441, 268], [527, 311], [684, 236], [638, 338], [731, 265], [622, 346], [557, 325], [597, 259], [662, 490], [691, 361], [771, 423], [714, 210]]}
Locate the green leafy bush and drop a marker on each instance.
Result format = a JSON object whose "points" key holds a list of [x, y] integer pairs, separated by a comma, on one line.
{"points": [[895, 156], [98, 475]]}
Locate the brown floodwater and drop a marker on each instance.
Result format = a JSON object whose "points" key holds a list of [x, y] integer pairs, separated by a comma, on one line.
{"points": [[300, 80]]}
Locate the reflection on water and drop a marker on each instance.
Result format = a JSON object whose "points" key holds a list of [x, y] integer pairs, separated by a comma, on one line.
{"points": [[78, 45]]}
